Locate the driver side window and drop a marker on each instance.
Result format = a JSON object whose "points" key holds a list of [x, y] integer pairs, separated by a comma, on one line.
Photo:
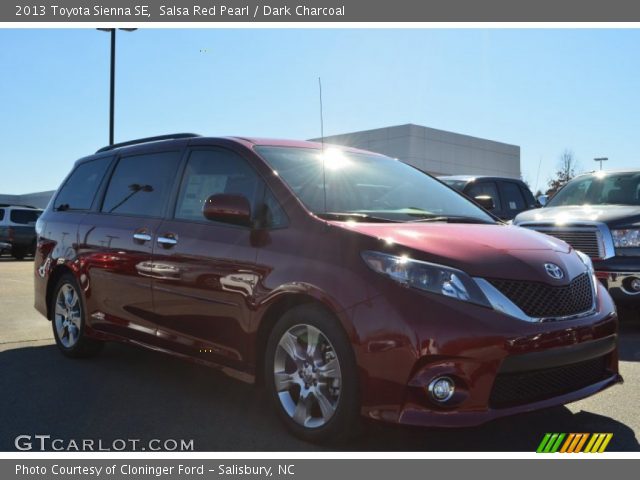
{"points": [[211, 172], [215, 171]]}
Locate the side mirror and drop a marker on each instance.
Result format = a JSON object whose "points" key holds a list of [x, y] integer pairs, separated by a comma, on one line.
{"points": [[227, 208], [542, 200], [485, 201]]}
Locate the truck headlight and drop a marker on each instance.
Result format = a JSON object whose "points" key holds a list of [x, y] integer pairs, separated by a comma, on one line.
{"points": [[429, 277], [626, 238]]}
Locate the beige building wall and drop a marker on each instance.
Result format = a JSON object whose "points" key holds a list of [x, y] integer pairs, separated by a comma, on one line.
{"points": [[437, 151]]}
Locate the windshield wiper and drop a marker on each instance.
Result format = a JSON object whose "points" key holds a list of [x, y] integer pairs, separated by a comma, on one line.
{"points": [[357, 217], [450, 219]]}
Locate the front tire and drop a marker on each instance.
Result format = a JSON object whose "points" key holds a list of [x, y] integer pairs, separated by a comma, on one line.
{"points": [[311, 376], [68, 319]]}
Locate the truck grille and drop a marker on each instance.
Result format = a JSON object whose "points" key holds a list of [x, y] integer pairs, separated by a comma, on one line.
{"points": [[586, 239], [540, 300], [510, 389]]}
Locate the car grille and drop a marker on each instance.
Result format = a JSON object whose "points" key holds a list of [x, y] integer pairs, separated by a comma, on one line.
{"points": [[540, 300], [586, 239], [510, 389]]}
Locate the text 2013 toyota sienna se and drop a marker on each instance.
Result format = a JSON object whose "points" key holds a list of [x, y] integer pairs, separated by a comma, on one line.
{"points": [[347, 282]]}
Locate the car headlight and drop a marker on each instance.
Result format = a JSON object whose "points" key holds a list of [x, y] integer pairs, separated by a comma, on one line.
{"points": [[626, 238], [429, 277]]}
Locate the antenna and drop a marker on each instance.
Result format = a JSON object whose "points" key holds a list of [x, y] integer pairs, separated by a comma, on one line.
{"points": [[324, 176]]}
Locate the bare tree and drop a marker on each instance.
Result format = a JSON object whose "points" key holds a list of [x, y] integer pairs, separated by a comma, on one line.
{"points": [[566, 170]]}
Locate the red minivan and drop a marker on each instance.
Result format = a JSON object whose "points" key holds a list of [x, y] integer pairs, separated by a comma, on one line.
{"points": [[348, 283]]}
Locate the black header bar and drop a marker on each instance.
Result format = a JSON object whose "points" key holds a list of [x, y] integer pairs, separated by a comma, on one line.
{"points": [[141, 11]]}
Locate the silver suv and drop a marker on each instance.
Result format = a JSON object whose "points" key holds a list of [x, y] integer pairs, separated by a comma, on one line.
{"points": [[17, 229]]}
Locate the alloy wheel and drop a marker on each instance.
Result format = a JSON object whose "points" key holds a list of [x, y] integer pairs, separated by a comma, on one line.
{"points": [[307, 376], [68, 315]]}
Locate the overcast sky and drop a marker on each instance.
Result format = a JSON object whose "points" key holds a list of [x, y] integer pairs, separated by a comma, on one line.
{"points": [[544, 90]]}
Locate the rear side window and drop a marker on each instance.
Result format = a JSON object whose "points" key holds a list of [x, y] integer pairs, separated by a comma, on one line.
{"points": [[140, 184], [528, 197], [1, 214], [513, 200], [24, 217], [79, 190], [485, 188]]}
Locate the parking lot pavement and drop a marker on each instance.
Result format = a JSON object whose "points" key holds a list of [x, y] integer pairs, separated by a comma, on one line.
{"points": [[129, 393]]}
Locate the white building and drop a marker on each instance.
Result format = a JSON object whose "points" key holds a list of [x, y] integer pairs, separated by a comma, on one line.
{"points": [[38, 199], [437, 151]]}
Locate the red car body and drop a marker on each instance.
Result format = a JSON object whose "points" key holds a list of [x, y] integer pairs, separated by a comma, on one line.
{"points": [[213, 297]]}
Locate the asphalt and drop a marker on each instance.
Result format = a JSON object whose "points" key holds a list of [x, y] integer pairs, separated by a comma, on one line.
{"points": [[129, 393]]}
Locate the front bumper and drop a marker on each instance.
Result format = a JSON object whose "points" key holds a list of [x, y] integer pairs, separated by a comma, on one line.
{"points": [[522, 383], [500, 365], [619, 285], [421, 417]]}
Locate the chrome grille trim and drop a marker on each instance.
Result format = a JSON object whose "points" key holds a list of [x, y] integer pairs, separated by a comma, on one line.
{"points": [[591, 238], [501, 303]]}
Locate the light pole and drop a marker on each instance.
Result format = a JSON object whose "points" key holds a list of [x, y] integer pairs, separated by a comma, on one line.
{"points": [[601, 159], [112, 82]]}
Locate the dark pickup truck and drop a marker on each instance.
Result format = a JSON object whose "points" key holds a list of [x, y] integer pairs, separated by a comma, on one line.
{"points": [[509, 196], [17, 229], [599, 214]]}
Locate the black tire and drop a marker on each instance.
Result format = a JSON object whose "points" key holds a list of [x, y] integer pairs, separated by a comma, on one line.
{"points": [[18, 253], [82, 346], [344, 423]]}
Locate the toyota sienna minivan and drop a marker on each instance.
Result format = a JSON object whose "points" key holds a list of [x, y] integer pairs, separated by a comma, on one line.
{"points": [[348, 283]]}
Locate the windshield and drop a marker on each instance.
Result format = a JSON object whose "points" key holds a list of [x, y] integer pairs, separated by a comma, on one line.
{"points": [[377, 187], [600, 189], [457, 184]]}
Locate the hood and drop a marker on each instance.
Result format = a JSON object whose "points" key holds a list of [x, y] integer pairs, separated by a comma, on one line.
{"points": [[610, 214], [488, 251]]}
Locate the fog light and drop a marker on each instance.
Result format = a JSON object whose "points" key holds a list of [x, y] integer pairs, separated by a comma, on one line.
{"points": [[441, 389], [631, 285]]}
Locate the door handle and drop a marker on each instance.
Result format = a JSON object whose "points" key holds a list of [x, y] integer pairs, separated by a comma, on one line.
{"points": [[167, 240], [141, 237]]}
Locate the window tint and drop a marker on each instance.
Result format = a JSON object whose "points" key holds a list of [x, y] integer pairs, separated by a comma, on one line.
{"points": [[342, 182], [1, 213], [210, 172], [80, 188], [274, 215], [24, 217], [513, 200], [528, 196], [600, 189], [140, 184], [485, 188], [457, 184]]}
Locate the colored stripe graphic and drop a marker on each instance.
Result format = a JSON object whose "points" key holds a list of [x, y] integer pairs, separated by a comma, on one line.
{"points": [[605, 443], [567, 443], [543, 443], [550, 442], [581, 442], [574, 442]]}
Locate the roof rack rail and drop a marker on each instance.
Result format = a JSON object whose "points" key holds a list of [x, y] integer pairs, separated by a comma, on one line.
{"points": [[171, 136]]}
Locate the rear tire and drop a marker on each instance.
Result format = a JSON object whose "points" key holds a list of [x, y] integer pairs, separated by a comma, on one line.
{"points": [[68, 319], [19, 253], [311, 376]]}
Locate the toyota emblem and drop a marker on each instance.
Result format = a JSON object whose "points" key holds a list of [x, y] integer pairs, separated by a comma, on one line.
{"points": [[554, 271]]}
